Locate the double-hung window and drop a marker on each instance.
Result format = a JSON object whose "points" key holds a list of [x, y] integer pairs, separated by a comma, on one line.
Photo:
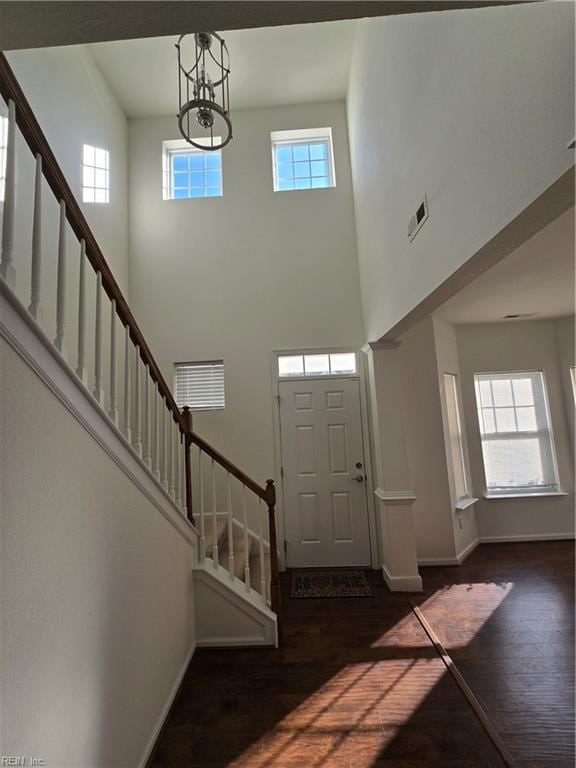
{"points": [[95, 175], [517, 441], [190, 172], [200, 386], [303, 159]]}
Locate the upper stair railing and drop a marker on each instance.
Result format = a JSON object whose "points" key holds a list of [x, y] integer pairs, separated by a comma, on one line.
{"points": [[147, 415]]}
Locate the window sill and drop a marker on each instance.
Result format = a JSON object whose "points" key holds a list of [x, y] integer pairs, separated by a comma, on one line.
{"points": [[495, 497], [464, 503]]}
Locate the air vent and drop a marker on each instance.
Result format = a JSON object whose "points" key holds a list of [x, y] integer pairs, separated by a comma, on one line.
{"points": [[418, 219], [519, 316]]}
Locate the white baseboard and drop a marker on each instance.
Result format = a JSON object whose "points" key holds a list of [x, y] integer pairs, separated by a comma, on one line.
{"points": [[166, 708], [249, 641], [402, 583], [457, 560], [527, 537]]}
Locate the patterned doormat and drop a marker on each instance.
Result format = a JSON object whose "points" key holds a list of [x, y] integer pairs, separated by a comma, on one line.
{"points": [[307, 584]]}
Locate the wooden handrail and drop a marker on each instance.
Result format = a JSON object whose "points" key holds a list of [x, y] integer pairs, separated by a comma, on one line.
{"points": [[245, 479], [11, 91]]}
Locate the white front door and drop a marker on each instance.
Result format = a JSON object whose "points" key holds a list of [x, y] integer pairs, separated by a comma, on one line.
{"points": [[325, 504]]}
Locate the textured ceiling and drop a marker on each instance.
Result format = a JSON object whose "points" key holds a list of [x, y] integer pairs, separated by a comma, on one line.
{"points": [[37, 24], [537, 277], [265, 70]]}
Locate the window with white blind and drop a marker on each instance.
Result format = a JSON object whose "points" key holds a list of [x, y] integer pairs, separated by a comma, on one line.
{"points": [[456, 439], [517, 442], [200, 386]]}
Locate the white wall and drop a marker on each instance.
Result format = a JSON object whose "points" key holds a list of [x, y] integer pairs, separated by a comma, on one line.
{"points": [[239, 276], [529, 345], [473, 108], [97, 597]]}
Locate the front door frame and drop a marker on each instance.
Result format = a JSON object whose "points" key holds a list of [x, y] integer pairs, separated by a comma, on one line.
{"points": [[366, 441]]}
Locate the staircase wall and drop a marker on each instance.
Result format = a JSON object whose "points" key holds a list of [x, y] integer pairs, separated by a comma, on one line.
{"points": [[97, 598]]}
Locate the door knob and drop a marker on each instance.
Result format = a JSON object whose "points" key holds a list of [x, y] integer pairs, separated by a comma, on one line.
{"points": [[359, 478]]}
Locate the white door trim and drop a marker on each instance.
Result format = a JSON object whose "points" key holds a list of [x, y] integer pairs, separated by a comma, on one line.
{"points": [[364, 424]]}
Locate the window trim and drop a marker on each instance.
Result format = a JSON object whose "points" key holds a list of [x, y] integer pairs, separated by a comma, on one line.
{"points": [[522, 492], [462, 502], [303, 136], [198, 364], [315, 376], [171, 147]]}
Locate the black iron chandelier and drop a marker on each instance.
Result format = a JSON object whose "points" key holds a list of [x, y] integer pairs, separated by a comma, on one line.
{"points": [[204, 100]]}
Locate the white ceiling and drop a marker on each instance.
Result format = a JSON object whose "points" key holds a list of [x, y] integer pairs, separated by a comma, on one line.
{"points": [[537, 277], [270, 66]]}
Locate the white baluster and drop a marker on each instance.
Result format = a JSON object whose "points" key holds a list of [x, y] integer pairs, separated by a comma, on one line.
{"points": [[61, 286], [230, 526], [127, 387], [214, 519], [170, 446], [202, 529], [177, 466], [7, 269], [113, 412], [246, 539], [137, 406], [98, 390], [81, 369], [36, 275], [183, 500], [261, 545], [156, 452], [164, 460], [147, 417]]}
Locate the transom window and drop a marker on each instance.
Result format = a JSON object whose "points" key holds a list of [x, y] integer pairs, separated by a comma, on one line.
{"points": [[517, 442], [95, 175], [191, 173], [328, 364], [303, 159], [200, 385], [3, 153]]}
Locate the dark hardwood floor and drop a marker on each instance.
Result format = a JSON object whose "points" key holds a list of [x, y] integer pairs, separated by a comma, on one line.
{"points": [[358, 683]]}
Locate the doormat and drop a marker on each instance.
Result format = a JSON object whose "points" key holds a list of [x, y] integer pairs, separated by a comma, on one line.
{"points": [[307, 584]]}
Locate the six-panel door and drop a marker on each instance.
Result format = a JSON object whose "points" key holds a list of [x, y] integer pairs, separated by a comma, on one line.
{"points": [[324, 474]]}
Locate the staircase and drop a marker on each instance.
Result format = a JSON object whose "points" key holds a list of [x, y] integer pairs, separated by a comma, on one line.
{"points": [[105, 353]]}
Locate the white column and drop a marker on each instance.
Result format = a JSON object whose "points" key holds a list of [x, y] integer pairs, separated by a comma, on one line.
{"points": [[98, 390], [113, 412], [59, 341], [394, 497], [7, 270], [137, 405], [36, 274], [127, 387], [81, 369]]}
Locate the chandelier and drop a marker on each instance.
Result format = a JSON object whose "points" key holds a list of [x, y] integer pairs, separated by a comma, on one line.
{"points": [[203, 100]]}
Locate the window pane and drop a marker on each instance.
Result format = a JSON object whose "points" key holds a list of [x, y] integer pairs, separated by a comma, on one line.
{"points": [[523, 392], [285, 184], [319, 168], [343, 362], [196, 192], [489, 421], [200, 386], [213, 160], [292, 365], [485, 392], [213, 191], [526, 417], [505, 420], [502, 391], [320, 183], [182, 194], [285, 171], [284, 154], [197, 179], [301, 170], [196, 161], [318, 151], [179, 162], [317, 364], [212, 178], [300, 152], [180, 180], [302, 184]]}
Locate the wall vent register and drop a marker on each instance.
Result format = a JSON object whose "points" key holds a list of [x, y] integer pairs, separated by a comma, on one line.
{"points": [[200, 385], [417, 221], [516, 432]]}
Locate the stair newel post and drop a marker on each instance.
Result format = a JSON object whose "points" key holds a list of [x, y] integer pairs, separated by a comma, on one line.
{"points": [[275, 594], [246, 539], [230, 525], [188, 470], [7, 263], [214, 518]]}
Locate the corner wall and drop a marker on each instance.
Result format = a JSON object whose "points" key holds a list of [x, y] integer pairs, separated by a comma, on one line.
{"points": [[473, 108]]}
